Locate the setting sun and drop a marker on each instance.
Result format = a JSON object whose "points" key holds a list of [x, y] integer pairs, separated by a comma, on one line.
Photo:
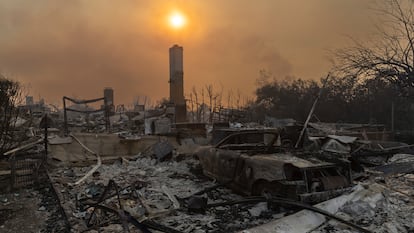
{"points": [[177, 20]]}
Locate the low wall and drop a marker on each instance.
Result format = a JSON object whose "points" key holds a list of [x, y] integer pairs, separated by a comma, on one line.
{"points": [[106, 145]]}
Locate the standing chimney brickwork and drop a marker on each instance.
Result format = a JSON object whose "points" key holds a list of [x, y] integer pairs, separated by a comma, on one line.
{"points": [[177, 83], [176, 75], [109, 100]]}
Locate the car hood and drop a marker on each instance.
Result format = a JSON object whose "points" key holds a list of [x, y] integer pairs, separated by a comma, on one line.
{"points": [[289, 158]]}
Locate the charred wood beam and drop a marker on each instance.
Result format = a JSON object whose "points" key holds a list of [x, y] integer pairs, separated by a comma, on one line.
{"points": [[22, 147]]}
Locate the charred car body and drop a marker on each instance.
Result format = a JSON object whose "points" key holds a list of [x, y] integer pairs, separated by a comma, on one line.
{"points": [[256, 163]]}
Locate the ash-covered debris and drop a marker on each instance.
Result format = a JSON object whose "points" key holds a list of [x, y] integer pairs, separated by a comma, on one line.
{"points": [[56, 221], [147, 189], [389, 210], [163, 188]]}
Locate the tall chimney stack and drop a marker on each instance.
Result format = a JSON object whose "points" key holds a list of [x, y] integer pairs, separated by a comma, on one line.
{"points": [[177, 83]]}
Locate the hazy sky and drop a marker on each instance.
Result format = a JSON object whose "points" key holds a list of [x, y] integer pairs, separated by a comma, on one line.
{"points": [[78, 47]]}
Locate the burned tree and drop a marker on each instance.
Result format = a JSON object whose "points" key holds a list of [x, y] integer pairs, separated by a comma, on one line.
{"points": [[390, 54], [10, 95]]}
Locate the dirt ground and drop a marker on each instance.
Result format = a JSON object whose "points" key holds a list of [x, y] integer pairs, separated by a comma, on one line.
{"points": [[20, 212], [33, 209]]}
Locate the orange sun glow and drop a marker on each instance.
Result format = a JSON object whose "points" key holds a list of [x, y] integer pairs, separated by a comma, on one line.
{"points": [[177, 20]]}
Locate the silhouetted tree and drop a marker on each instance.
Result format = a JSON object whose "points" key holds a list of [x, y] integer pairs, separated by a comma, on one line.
{"points": [[285, 98], [390, 54], [343, 100], [10, 97]]}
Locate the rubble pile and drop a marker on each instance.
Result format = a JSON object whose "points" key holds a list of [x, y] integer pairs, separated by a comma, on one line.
{"points": [[151, 183], [391, 210], [158, 191]]}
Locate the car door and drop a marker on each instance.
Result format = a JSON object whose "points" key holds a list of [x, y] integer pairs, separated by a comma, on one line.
{"points": [[225, 163]]}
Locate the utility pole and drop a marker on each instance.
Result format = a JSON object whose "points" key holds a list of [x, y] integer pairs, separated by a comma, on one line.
{"points": [[311, 112]]}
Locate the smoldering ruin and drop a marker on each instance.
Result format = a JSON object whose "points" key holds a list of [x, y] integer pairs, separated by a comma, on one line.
{"points": [[111, 169]]}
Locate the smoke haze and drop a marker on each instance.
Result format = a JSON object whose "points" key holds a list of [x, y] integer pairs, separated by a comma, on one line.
{"points": [[78, 47]]}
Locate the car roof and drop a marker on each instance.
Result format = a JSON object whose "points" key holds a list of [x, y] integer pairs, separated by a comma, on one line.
{"points": [[250, 131]]}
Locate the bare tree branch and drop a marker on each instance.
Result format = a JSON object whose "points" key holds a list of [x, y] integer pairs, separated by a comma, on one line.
{"points": [[390, 55]]}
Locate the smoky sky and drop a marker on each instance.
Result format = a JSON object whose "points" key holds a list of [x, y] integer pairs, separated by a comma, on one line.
{"points": [[79, 47]]}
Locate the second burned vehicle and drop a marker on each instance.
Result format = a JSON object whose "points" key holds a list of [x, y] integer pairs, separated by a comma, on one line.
{"points": [[257, 163]]}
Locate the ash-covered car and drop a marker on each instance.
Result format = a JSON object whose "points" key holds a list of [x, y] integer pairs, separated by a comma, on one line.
{"points": [[258, 163]]}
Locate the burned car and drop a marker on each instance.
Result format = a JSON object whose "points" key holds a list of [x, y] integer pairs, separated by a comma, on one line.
{"points": [[257, 163]]}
